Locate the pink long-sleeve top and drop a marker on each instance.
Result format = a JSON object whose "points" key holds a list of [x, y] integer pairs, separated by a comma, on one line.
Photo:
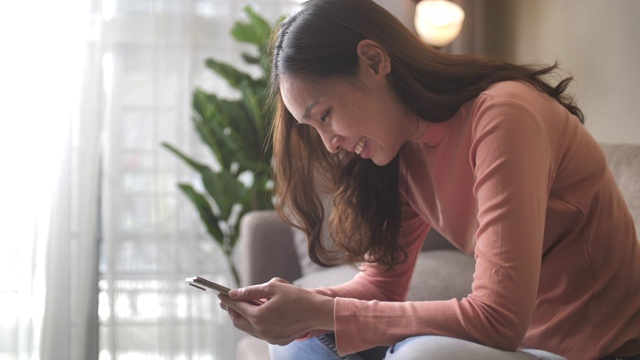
{"points": [[516, 181]]}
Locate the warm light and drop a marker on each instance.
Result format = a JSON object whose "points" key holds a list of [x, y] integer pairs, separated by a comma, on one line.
{"points": [[438, 22]]}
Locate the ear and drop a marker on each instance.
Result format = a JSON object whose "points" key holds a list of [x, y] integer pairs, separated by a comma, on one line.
{"points": [[373, 57]]}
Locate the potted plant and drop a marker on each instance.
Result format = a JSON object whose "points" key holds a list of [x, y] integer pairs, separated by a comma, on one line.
{"points": [[235, 131]]}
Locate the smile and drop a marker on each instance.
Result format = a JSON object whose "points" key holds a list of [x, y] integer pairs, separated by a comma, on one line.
{"points": [[360, 146]]}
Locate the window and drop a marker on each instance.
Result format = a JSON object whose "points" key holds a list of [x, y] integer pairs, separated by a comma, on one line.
{"points": [[153, 56]]}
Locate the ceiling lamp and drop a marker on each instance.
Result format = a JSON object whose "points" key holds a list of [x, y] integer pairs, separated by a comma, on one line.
{"points": [[438, 22]]}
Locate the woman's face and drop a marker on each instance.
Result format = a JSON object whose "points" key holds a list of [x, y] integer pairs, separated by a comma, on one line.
{"points": [[362, 115]]}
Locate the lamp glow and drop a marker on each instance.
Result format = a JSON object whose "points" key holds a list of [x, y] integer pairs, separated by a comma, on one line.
{"points": [[438, 22]]}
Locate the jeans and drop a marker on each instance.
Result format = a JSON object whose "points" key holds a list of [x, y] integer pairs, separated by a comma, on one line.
{"points": [[322, 347], [415, 348]]}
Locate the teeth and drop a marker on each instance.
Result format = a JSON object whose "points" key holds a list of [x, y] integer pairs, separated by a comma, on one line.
{"points": [[360, 145]]}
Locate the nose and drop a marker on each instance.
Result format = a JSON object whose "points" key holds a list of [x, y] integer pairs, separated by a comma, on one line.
{"points": [[333, 142]]}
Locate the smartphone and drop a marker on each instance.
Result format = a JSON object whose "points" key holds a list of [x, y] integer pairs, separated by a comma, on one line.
{"points": [[206, 285]]}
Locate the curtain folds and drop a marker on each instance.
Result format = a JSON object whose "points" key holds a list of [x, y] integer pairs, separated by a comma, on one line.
{"points": [[40, 290], [95, 238], [70, 321]]}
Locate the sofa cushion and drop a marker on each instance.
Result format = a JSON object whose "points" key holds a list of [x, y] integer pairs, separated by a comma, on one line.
{"points": [[434, 241], [442, 275], [438, 275], [307, 266]]}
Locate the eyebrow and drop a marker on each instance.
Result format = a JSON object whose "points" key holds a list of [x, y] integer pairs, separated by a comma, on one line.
{"points": [[307, 110]]}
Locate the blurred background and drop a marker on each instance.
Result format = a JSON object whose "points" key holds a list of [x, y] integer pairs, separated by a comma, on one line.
{"points": [[95, 236]]}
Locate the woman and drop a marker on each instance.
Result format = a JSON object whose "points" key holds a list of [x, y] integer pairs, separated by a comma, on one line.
{"points": [[488, 153]]}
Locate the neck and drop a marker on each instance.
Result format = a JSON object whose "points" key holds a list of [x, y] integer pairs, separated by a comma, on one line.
{"points": [[421, 128]]}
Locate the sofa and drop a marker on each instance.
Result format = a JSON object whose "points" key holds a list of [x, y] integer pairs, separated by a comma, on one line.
{"points": [[268, 248]]}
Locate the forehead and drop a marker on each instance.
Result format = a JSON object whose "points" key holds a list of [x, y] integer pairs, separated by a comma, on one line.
{"points": [[299, 94]]}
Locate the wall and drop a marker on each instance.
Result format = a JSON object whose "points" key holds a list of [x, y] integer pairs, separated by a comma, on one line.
{"points": [[598, 42], [402, 9]]}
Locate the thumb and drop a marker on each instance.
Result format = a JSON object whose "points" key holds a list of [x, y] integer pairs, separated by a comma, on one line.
{"points": [[280, 280], [253, 292]]}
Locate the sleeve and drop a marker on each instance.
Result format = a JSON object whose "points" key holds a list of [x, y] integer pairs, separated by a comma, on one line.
{"points": [[511, 160]]}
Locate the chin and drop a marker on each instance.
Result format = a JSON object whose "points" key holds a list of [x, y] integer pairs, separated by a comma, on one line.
{"points": [[381, 162], [383, 158]]}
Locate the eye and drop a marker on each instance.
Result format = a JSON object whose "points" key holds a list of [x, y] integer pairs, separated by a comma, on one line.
{"points": [[324, 116]]}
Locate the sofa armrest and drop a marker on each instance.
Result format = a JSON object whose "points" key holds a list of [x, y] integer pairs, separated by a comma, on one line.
{"points": [[265, 249]]}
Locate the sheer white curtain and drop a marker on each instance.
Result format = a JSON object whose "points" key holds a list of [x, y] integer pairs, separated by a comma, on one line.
{"points": [[95, 239], [41, 292]]}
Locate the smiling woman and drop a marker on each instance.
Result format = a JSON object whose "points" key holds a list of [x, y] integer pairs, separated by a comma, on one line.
{"points": [[491, 154], [362, 115]]}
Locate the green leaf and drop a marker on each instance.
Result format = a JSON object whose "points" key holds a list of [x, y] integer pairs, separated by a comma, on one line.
{"points": [[226, 190], [208, 134], [198, 166], [229, 143], [247, 33], [252, 59], [232, 75], [224, 130], [258, 21], [206, 213], [251, 103], [254, 32]]}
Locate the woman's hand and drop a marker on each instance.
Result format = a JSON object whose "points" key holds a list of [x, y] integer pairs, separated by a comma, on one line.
{"points": [[288, 313]]}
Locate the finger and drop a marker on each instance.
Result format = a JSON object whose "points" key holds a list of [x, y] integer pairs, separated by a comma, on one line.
{"points": [[237, 318], [244, 308], [254, 292], [242, 323], [224, 304], [280, 280]]}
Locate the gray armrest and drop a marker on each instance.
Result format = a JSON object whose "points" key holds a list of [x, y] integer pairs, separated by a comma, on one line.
{"points": [[265, 249]]}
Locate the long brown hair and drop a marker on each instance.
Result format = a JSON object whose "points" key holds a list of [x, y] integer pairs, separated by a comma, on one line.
{"points": [[320, 41]]}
